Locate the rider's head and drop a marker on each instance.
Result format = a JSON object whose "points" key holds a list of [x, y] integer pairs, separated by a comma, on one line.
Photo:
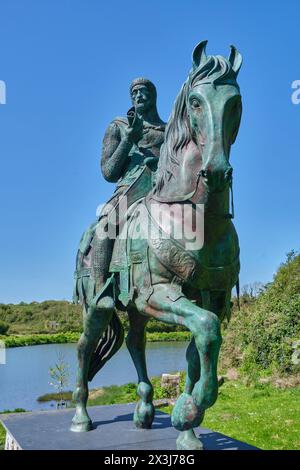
{"points": [[143, 95]]}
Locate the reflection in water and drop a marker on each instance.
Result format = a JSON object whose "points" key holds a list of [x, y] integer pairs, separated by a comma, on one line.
{"points": [[26, 373]]}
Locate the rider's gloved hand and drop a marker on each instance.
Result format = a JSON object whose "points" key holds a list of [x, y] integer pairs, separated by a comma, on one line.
{"points": [[134, 132]]}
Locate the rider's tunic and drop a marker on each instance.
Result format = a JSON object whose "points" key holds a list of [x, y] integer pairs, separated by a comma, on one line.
{"points": [[148, 146]]}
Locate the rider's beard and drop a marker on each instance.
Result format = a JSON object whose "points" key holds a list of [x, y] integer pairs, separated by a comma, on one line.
{"points": [[142, 108]]}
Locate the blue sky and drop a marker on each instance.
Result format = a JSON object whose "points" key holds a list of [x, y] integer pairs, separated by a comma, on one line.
{"points": [[67, 65]]}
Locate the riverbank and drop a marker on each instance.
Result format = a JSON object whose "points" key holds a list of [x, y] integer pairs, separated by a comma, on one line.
{"points": [[13, 341]]}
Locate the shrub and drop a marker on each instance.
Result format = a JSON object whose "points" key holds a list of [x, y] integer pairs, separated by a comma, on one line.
{"points": [[263, 333], [3, 327]]}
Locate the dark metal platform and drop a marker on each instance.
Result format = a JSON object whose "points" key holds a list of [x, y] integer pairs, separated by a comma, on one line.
{"points": [[113, 429]]}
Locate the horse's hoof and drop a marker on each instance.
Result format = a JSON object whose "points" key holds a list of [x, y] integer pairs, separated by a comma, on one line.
{"points": [[142, 425], [143, 415], [205, 394], [185, 414], [187, 440], [81, 427]]}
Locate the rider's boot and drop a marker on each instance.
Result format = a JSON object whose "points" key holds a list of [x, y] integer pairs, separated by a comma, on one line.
{"points": [[100, 260]]}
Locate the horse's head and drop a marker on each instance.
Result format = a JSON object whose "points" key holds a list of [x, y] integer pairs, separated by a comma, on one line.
{"points": [[214, 110], [202, 127]]}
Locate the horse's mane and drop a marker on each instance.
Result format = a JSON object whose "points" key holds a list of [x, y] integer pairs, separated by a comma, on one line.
{"points": [[215, 70]]}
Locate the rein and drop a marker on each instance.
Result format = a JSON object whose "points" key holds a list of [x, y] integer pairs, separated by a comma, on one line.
{"points": [[230, 214]]}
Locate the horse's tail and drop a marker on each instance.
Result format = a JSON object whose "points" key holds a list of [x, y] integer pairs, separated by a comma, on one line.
{"points": [[107, 346], [113, 337]]}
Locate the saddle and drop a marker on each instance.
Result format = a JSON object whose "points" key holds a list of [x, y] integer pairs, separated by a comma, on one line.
{"points": [[123, 257], [131, 250]]}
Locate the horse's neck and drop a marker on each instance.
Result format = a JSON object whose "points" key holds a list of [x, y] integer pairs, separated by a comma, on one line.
{"points": [[184, 179], [185, 184]]}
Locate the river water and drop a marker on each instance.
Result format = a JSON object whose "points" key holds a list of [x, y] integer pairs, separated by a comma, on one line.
{"points": [[25, 376]]}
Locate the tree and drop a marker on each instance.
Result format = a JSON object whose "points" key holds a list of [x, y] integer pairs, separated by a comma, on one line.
{"points": [[60, 374], [253, 290]]}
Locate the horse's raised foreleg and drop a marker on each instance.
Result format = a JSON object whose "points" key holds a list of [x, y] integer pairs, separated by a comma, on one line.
{"points": [[187, 439], [193, 370], [96, 320], [136, 344], [219, 303], [205, 327]]}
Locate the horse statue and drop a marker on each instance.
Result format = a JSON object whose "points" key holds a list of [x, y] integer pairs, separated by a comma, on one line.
{"points": [[169, 278]]}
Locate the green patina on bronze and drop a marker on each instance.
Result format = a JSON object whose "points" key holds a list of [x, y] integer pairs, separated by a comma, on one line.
{"points": [[158, 276]]}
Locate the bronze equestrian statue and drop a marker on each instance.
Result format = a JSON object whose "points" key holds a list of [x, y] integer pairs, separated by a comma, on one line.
{"points": [[154, 274]]}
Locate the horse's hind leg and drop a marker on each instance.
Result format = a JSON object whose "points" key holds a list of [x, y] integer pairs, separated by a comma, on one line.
{"points": [[96, 320], [136, 344]]}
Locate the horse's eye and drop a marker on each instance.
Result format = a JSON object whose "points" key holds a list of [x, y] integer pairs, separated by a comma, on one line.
{"points": [[195, 103]]}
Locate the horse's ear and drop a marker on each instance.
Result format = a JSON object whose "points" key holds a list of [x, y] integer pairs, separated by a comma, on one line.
{"points": [[236, 59], [199, 56]]}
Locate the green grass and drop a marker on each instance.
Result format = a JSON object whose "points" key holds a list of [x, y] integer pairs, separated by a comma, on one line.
{"points": [[261, 415], [2, 437], [73, 337], [65, 396], [264, 416], [35, 339], [169, 336], [115, 394]]}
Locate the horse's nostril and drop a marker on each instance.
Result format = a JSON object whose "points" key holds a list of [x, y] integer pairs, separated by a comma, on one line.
{"points": [[204, 173]]}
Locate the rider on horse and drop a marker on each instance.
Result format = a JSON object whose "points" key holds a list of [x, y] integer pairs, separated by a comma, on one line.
{"points": [[130, 144]]}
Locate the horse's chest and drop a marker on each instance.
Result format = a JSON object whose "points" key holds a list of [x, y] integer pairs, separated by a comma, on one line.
{"points": [[218, 261], [215, 266]]}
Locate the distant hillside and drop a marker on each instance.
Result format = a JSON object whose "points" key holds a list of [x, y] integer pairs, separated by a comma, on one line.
{"points": [[54, 316], [44, 317]]}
